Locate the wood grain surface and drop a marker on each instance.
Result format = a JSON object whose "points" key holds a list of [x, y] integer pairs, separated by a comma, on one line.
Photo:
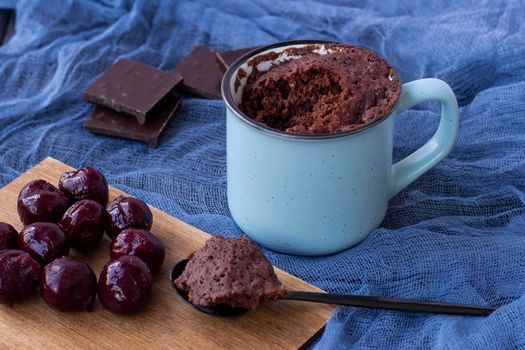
{"points": [[167, 322]]}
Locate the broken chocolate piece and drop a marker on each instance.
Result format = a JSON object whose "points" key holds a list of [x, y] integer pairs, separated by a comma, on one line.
{"points": [[202, 72], [132, 87], [108, 122], [228, 57]]}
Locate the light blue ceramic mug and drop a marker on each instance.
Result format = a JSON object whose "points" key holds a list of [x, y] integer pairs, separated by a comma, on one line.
{"points": [[320, 194]]}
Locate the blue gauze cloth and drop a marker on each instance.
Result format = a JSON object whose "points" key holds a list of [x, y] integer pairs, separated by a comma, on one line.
{"points": [[457, 234]]}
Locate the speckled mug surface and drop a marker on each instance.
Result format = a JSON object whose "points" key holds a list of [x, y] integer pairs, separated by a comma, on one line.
{"points": [[320, 194]]}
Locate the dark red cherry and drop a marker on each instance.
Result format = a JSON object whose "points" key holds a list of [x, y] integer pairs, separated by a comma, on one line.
{"points": [[45, 242], [85, 183], [19, 274], [124, 285], [83, 223], [39, 201], [68, 285], [125, 212], [8, 236], [141, 243]]}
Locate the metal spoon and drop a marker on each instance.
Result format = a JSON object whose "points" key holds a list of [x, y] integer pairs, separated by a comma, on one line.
{"points": [[346, 300]]}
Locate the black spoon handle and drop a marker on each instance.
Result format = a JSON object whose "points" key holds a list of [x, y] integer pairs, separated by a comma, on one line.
{"points": [[391, 303]]}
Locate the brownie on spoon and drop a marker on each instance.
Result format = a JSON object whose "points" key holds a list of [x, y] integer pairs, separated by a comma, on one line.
{"points": [[230, 271]]}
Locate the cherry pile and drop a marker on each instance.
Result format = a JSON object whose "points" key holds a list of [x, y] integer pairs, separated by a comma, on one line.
{"points": [[76, 215]]}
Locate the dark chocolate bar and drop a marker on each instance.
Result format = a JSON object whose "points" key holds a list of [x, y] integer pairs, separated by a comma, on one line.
{"points": [[228, 57], [108, 122], [132, 87], [202, 72]]}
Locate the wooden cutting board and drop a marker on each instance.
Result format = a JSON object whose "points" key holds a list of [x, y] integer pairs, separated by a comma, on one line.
{"points": [[167, 322]]}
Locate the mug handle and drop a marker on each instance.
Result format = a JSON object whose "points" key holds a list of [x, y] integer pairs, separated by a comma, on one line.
{"points": [[439, 146]]}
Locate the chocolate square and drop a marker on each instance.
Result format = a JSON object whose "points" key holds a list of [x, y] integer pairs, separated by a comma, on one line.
{"points": [[202, 73], [108, 122], [228, 57], [133, 88]]}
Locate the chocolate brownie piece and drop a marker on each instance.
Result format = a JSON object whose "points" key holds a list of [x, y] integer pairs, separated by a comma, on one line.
{"points": [[338, 91], [230, 271]]}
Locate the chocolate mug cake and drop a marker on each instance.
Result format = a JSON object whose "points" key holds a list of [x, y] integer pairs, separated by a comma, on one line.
{"points": [[309, 143], [342, 89]]}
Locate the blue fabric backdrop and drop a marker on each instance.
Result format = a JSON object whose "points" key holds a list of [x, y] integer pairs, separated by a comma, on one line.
{"points": [[457, 234]]}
